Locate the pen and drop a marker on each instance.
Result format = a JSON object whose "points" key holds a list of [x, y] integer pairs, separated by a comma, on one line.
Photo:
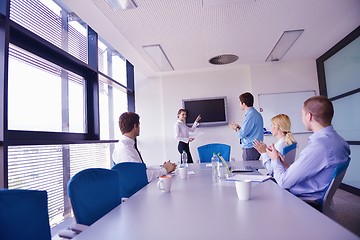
{"points": [[224, 162]]}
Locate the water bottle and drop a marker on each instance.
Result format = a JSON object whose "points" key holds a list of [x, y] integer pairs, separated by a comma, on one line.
{"points": [[215, 166], [184, 159]]}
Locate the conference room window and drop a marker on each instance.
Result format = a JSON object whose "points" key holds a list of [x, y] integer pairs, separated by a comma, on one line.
{"points": [[112, 89], [53, 23], [339, 72], [43, 96], [111, 63], [112, 103], [59, 108]]}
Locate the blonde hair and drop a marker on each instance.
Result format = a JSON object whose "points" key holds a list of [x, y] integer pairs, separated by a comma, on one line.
{"points": [[282, 121]]}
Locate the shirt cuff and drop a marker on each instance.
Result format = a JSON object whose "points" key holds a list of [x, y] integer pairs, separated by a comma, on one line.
{"points": [[277, 164], [265, 157], [163, 171]]}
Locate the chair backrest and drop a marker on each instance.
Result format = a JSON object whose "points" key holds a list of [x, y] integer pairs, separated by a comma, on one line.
{"points": [[289, 152], [206, 151], [24, 215], [335, 182], [132, 177], [93, 193]]}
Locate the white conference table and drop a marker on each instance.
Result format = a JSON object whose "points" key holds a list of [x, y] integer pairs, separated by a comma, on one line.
{"points": [[198, 208]]}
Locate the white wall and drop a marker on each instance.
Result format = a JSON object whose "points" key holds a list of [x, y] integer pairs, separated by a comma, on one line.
{"points": [[149, 105], [228, 83], [158, 100], [277, 77]]}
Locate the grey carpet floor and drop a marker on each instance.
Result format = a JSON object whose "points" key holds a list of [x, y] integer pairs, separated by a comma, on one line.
{"points": [[347, 210]]}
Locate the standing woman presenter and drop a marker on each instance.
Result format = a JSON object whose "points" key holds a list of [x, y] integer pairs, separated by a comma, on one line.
{"points": [[182, 133]]}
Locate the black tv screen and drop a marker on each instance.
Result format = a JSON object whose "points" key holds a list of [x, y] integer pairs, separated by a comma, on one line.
{"points": [[212, 110]]}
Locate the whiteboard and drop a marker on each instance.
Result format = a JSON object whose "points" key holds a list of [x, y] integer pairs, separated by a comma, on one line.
{"points": [[289, 103]]}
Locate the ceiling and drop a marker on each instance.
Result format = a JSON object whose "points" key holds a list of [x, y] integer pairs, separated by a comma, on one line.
{"points": [[192, 31]]}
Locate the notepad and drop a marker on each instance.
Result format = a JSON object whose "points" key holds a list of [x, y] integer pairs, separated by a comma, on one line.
{"points": [[253, 178]]}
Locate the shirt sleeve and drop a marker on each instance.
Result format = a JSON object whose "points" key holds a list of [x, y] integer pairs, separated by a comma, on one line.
{"points": [[193, 127], [247, 126], [307, 165], [279, 146], [155, 173], [127, 153], [267, 162]]}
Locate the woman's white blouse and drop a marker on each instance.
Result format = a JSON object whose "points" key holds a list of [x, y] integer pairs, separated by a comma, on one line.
{"points": [[182, 132]]}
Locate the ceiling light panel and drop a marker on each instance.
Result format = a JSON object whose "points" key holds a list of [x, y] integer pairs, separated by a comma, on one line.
{"points": [[159, 57], [283, 45], [210, 3], [117, 5]]}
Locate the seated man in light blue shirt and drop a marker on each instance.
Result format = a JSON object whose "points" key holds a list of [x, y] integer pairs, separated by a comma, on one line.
{"points": [[310, 174]]}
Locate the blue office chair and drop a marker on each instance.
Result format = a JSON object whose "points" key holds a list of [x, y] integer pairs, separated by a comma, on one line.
{"points": [[324, 205], [93, 193], [132, 177], [24, 215], [206, 151], [289, 152]]}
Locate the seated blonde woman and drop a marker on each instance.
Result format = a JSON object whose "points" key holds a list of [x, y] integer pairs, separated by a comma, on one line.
{"points": [[280, 129]]}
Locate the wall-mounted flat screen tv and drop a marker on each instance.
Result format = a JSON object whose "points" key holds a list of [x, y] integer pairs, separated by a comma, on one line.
{"points": [[213, 111]]}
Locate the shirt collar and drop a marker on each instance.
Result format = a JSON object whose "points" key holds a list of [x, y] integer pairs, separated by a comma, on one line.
{"points": [[321, 132], [127, 140], [250, 109]]}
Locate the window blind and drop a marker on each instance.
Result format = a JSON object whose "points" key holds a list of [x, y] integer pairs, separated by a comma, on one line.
{"points": [[42, 168], [47, 24]]}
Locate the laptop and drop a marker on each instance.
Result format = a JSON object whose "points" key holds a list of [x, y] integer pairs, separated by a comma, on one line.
{"points": [[235, 169], [242, 169]]}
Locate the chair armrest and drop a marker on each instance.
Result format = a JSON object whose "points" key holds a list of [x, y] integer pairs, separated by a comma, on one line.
{"points": [[312, 202], [309, 199], [67, 234], [78, 228]]}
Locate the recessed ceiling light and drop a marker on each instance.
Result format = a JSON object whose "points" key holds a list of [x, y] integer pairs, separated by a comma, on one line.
{"points": [[210, 3], [283, 45], [117, 5], [223, 59], [157, 54]]}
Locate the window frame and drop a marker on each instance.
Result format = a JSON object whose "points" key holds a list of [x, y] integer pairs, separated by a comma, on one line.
{"points": [[30, 42], [323, 88], [12, 32], [321, 69]]}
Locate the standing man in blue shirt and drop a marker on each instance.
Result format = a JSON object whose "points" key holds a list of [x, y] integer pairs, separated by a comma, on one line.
{"points": [[311, 173], [252, 127]]}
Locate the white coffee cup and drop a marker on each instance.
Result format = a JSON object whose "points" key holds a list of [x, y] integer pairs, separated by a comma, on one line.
{"points": [[243, 189], [183, 172], [164, 183]]}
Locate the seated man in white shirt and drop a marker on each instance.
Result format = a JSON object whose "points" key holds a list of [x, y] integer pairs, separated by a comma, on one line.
{"points": [[126, 149]]}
